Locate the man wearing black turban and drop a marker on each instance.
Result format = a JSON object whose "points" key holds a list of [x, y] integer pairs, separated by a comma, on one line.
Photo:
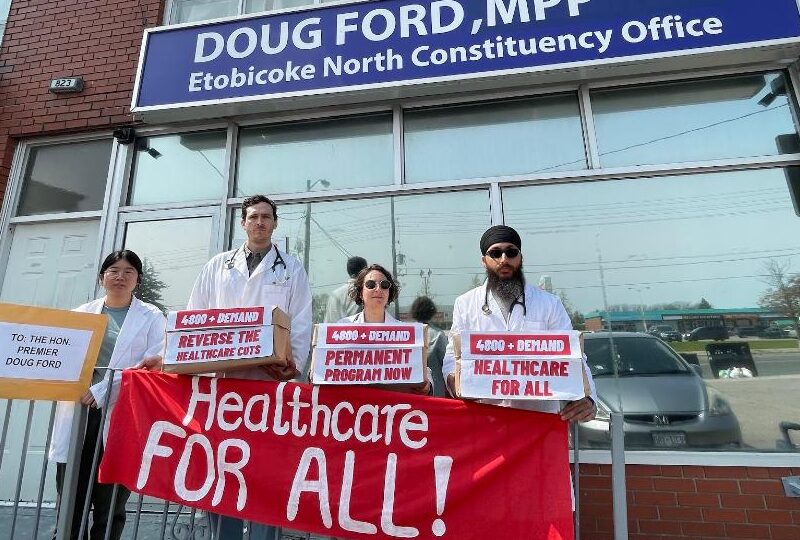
{"points": [[505, 303]]}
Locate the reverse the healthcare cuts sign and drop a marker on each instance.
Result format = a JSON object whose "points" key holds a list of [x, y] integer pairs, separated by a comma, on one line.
{"points": [[395, 42]]}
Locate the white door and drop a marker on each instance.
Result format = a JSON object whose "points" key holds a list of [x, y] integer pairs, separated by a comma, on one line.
{"points": [[54, 265]]}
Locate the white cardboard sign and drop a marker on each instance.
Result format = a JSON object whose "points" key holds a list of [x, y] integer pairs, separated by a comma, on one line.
{"points": [[42, 352], [207, 335], [368, 354], [543, 365], [210, 345]]}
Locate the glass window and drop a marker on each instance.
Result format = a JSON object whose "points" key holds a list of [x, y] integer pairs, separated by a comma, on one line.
{"points": [[332, 154], [494, 139], [65, 178], [438, 239], [173, 252], [177, 168], [5, 7], [253, 6], [200, 10], [685, 266], [435, 238], [694, 121]]}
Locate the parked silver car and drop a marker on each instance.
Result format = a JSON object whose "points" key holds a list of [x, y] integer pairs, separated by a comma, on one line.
{"points": [[666, 403]]}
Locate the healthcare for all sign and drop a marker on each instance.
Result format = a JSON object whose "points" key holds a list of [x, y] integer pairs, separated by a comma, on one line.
{"points": [[506, 365], [392, 42], [339, 462]]}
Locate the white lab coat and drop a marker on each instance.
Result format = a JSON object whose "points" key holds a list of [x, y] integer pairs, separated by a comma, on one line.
{"points": [[358, 318], [142, 334], [544, 312], [225, 282]]}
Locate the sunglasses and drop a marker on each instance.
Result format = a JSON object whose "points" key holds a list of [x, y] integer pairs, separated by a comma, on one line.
{"points": [[385, 284], [496, 253]]}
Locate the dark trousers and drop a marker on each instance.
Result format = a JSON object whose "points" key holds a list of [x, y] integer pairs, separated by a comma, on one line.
{"points": [[101, 493]]}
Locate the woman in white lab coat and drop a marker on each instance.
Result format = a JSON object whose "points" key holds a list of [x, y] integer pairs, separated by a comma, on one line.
{"points": [[374, 289], [135, 330]]}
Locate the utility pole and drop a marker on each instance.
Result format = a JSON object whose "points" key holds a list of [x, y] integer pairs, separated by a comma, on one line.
{"points": [[641, 304], [307, 242]]}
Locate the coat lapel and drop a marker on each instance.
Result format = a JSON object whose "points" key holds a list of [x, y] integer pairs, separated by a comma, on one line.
{"points": [[134, 321]]}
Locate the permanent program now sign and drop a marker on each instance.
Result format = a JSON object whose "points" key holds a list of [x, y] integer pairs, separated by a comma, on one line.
{"points": [[398, 42]]}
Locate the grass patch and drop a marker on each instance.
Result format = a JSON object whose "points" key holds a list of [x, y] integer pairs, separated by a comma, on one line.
{"points": [[755, 345]]}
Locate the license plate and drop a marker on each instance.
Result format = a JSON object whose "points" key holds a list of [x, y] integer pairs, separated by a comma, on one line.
{"points": [[669, 439]]}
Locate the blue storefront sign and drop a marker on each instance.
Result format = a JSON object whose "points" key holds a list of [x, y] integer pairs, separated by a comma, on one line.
{"points": [[394, 42]]}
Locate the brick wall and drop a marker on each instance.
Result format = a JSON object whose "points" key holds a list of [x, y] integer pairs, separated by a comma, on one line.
{"points": [[96, 39], [691, 502]]}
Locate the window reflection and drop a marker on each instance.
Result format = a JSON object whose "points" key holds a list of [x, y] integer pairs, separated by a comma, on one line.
{"points": [[694, 121], [201, 10], [332, 154], [494, 139], [253, 6], [65, 178], [432, 248], [178, 168], [170, 267], [655, 259]]}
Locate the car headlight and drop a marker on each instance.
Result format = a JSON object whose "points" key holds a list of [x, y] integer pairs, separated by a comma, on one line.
{"points": [[718, 405]]}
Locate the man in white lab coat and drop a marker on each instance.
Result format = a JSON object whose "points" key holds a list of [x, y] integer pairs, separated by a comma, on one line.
{"points": [[506, 303], [257, 273]]}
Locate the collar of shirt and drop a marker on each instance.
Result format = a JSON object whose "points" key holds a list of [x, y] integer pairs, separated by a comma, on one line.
{"points": [[247, 251]]}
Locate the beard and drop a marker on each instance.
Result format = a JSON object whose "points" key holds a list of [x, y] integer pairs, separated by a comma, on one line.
{"points": [[506, 290]]}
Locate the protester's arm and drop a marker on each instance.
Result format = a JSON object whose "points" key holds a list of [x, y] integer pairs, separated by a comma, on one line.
{"points": [[200, 298], [300, 336]]}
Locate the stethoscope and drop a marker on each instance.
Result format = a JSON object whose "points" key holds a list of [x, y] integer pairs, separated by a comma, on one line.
{"points": [[278, 261], [487, 310]]}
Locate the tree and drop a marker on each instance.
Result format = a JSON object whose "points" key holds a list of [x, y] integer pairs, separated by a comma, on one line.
{"points": [[319, 303], [704, 304], [783, 294], [577, 318], [149, 290]]}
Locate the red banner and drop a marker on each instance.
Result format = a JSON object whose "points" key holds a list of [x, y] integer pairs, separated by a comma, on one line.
{"points": [[341, 461]]}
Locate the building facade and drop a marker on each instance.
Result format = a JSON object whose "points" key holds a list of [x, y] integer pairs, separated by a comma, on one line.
{"points": [[647, 158]]}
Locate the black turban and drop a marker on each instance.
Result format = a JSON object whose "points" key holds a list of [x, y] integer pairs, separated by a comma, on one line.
{"points": [[498, 234]]}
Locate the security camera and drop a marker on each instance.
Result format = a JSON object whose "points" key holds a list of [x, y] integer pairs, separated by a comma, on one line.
{"points": [[125, 135]]}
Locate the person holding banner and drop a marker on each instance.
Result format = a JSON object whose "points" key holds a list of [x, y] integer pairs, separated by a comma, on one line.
{"points": [[373, 289], [505, 303], [135, 330], [257, 273]]}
